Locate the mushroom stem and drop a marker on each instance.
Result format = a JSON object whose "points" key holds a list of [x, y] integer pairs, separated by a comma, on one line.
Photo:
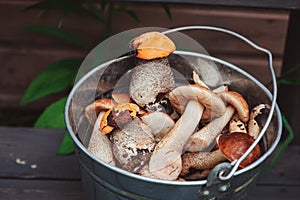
{"points": [[165, 162], [201, 160], [205, 137], [99, 144], [238, 102]]}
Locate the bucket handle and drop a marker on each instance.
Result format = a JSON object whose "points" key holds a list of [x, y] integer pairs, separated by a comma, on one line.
{"points": [[235, 164]]}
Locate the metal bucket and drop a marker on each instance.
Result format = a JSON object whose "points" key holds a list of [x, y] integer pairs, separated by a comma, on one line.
{"points": [[103, 181]]}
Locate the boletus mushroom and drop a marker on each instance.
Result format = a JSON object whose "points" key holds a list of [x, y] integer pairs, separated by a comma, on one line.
{"points": [[231, 147], [133, 145], [153, 74]]}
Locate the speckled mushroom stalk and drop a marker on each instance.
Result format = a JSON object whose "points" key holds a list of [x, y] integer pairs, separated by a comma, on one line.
{"points": [[99, 144], [165, 162], [204, 139], [231, 147]]}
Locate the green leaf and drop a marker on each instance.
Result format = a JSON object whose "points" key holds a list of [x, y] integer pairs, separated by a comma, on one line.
{"points": [[53, 116], [70, 6], [66, 146], [167, 10], [285, 143], [62, 19], [283, 146], [133, 15], [55, 78], [59, 34], [286, 81]]}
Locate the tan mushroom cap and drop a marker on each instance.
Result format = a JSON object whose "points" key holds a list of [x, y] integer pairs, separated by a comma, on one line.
{"points": [[153, 45], [234, 145], [238, 102], [211, 101]]}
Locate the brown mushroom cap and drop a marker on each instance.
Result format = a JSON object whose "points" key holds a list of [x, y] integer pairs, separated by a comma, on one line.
{"points": [[211, 101], [234, 145], [153, 45]]}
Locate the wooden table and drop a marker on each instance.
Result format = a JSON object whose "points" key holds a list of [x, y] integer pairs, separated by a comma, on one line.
{"points": [[30, 169]]}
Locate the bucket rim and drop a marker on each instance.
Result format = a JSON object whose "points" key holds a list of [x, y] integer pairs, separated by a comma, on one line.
{"points": [[159, 181]]}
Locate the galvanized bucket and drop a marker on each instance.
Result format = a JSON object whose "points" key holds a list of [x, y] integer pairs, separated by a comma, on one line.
{"points": [[103, 181]]}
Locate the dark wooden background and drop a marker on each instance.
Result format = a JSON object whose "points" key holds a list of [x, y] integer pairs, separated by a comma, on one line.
{"points": [[23, 54]]}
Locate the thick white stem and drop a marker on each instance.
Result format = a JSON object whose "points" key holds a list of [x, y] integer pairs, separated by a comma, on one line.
{"points": [[99, 144], [165, 162], [206, 137]]}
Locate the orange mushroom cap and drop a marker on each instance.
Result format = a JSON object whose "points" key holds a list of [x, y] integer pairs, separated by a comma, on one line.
{"points": [[153, 45]]}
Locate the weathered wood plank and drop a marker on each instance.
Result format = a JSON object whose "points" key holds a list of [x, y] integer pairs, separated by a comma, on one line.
{"points": [[256, 24], [72, 190], [40, 189], [36, 147], [274, 192], [57, 177]]}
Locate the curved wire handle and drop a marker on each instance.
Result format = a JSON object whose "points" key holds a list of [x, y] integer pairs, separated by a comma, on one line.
{"points": [[237, 162]]}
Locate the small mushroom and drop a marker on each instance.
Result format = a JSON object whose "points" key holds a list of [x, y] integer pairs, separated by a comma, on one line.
{"points": [[165, 162], [99, 144], [253, 126], [231, 147], [118, 116], [234, 145], [159, 122], [238, 102], [92, 110], [236, 125], [211, 101], [133, 145], [205, 138], [153, 45]]}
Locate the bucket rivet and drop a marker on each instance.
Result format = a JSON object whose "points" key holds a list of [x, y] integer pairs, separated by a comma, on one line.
{"points": [[224, 188], [205, 193]]}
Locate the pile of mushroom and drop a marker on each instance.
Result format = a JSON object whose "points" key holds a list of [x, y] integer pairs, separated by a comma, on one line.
{"points": [[170, 132]]}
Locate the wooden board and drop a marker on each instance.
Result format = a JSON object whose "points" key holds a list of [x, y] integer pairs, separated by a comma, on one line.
{"points": [[35, 147], [11, 189], [57, 177]]}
